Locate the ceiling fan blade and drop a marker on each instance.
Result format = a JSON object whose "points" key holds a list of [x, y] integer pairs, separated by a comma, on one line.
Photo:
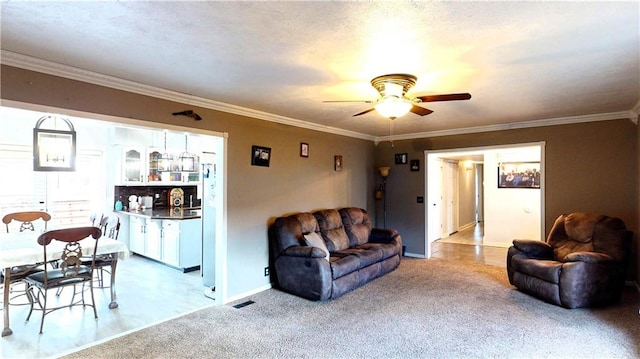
{"points": [[420, 110], [363, 112], [360, 101], [449, 97]]}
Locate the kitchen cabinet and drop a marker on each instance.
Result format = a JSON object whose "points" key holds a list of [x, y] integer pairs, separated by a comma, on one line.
{"points": [[142, 165], [137, 228], [171, 242], [133, 166], [153, 243], [174, 242]]}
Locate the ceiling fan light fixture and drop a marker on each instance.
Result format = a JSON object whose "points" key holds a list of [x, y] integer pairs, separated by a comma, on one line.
{"points": [[393, 107]]}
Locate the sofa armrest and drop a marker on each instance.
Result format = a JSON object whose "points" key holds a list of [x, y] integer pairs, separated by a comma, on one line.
{"points": [[304, 271], [589, 257], [305, 251], [382, 235], [533, 249]]}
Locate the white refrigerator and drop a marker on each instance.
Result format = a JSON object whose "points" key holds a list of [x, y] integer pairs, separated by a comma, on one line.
{"points": [[208, 208]]}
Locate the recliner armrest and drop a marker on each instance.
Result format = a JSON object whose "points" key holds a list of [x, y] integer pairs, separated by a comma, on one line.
{"points": [[534, 249], [589, 257], [382, 235], [305, 251]]}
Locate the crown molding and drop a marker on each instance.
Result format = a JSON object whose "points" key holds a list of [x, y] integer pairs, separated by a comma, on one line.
{"points": [[515, 125], [34, 64], [636, 112]]}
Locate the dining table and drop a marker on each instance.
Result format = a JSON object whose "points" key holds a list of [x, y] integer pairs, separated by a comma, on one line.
{"points": [[22, 248]]}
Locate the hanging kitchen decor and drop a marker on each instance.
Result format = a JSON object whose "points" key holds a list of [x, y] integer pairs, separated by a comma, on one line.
{"points": [[187, 160], [164, 163], [54, 145]]}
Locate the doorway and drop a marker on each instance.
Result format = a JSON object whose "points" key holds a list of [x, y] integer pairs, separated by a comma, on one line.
{"points": [[462, 191]]}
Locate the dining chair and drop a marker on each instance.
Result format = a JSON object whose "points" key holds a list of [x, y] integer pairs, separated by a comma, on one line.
{"points": [[103, 262], [99, 222], [70, 272], [26, 219], [19, 273]]}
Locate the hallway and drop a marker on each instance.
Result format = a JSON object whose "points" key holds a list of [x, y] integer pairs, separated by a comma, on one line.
{"points": [[467, 245]]}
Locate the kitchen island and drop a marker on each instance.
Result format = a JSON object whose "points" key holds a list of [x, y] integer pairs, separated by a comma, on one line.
{"points": [[172, 236]]}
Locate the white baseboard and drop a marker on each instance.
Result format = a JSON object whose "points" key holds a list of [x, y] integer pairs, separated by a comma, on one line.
{"points": [[246, 294], [414, 255]]}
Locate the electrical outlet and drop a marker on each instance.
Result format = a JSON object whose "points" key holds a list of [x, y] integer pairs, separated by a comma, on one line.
{"points": [[266, 271]]}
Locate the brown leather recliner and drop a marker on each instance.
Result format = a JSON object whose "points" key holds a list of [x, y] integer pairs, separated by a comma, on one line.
{"points": [[583, 262]]}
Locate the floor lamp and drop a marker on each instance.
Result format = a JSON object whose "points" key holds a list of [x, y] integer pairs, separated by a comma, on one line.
{"points": [[384, 172]]}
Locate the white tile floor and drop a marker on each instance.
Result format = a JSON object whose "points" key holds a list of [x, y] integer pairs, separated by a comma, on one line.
{"points": [[148, 293]]}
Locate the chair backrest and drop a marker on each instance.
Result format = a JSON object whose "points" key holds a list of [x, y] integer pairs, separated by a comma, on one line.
{"points": [[70, 261], [112, 227], [26, 218], [589, 232]]}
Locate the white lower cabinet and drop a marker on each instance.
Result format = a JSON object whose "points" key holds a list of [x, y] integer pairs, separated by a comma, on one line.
{"points": [[171, 242], [174, 242], [137, 234]]}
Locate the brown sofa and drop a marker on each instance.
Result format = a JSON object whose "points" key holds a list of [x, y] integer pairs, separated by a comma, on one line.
{"points": [[582, 263], [325, 254]]}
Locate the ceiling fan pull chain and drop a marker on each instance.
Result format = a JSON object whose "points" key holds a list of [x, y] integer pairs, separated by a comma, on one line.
{"points": [[391, 133]]}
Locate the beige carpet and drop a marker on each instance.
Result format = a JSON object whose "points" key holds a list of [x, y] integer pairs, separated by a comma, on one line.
{"points": [[425, 309]]}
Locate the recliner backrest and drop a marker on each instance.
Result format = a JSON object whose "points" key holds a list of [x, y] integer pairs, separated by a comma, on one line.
{"points": [[357, 225], [588, 232], [289, 231], [332, 229]]}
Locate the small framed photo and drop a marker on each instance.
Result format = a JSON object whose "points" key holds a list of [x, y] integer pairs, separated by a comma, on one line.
{"points": [[337, 163], [401, 158], [415, 165], [519, 175], [304, 149], [260, 156]]}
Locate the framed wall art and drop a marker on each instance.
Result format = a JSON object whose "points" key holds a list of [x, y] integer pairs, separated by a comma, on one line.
{"points": [[401, 158], [337, 163], [415, 165], [304, 149], [260, 156], [519, 175]]}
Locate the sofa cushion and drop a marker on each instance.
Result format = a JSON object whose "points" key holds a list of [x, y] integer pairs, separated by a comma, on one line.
{"points": [[356, 224], [343, 265], [546, 270], [387, 249], [367, 256], [332, 230], [313, 239], [307, 221]]}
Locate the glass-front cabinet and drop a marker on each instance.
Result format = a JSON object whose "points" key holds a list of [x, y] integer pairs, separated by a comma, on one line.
{"points": [[154, 166], [134, 167]]}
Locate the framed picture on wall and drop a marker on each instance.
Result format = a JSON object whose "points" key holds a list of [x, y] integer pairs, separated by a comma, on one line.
{"points": [[260, 156], [304, 149], [401, 158], [337, 163], [415, 165], [519, 175]]}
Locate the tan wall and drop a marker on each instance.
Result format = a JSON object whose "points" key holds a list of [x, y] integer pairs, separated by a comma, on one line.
{"points": [[256, 195], [591, 167]]}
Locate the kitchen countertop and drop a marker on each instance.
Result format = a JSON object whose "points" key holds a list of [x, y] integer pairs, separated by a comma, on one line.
{"points": [[177, 213]]}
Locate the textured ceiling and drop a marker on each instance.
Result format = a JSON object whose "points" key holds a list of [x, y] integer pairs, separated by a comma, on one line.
{"points": [[521, 61]]}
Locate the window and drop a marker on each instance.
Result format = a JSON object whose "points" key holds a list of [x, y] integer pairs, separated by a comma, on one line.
{"points": [[70, 197]]}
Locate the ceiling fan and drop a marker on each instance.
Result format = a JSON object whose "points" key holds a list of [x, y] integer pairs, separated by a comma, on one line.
{"points": [[394, 103]]}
